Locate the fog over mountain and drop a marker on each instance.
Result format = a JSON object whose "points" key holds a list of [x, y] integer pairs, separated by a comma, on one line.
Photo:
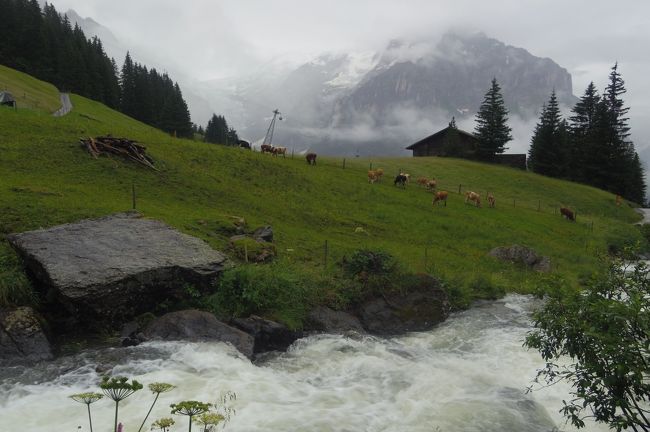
{"points": [[375, 75]]}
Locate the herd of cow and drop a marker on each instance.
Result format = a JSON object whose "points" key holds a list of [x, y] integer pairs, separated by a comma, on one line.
{"points": [[402, 179]]}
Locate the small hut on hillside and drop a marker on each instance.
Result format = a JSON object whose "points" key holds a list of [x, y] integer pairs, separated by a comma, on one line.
{"points": [[7, 99], [453, 142]]}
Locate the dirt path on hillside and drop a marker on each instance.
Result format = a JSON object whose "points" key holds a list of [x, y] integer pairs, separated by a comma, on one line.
{"points": [[66, 105]]}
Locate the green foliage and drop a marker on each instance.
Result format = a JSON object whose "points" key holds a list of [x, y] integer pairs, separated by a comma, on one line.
{"points": [[209, 421], [482, 287], [190, 409], [86, 398], [492, 128], [163, 424], [276, 290], [156, 388], [118, 389], [249, 249], [15, 288], [604, 332]]}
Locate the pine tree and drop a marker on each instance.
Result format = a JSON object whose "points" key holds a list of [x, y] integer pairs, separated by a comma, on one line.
{"points": [[451, 145], [492, 129], [548, 150], [582, 129]]}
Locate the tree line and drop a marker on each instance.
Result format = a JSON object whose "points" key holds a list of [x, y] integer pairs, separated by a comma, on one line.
{"points": [[44, 44], [591, 147]]}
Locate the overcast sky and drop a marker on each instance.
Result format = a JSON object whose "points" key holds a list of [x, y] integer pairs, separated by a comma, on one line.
{"points": [[218, 38]]}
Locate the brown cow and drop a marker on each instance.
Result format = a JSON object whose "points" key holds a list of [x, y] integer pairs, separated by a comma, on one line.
{"points": [[491, 200], [280, 151], [473, 196], [380, 173], [266, 148], [432, 184], [372, 176], [311, 158], [439, 197], [568, 213], [422, 181]]}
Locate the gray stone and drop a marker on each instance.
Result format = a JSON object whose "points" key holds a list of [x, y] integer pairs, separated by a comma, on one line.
{"points": [[105, 271], [22, 336], [424, 306], [522, 255], [269, 335], [195, 325], [264, 233], [331, 321]]}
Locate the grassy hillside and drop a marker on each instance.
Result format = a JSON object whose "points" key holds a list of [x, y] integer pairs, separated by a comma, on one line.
{"points": [[47, 179], [28, 91]]}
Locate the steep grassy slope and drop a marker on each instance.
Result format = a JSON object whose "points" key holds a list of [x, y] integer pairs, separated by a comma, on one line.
{"points": [[28, 91], [46, 179]]}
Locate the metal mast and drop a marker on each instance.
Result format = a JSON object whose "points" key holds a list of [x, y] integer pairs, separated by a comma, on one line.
{"points": [[269, 133]]}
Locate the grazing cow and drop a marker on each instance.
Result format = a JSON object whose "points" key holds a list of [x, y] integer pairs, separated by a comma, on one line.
{"points": [[568, 213], [422, 181], [380, 173], [491, 201], [432, 185], [473, 196], [440, 197], [311, 158], [372, 176], [280, 150], [619, 200], [401, 180], [408, 176], [266, 148]]}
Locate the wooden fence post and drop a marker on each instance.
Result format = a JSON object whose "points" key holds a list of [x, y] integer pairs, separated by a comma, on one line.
{"points": [[592, 226], [246, 252], [133, 194], [514, 202], [326, 254], [459, 188], [343, 163], [539, 205]]}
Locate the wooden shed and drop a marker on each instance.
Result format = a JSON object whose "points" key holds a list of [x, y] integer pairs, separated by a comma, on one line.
{"points": [[453, 142]]}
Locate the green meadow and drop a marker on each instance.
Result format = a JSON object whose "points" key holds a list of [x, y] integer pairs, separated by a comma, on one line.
{"points": [[47, 178]]}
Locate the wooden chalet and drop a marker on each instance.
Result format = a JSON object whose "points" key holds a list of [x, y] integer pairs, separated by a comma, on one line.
{"points": [[453, 142]]}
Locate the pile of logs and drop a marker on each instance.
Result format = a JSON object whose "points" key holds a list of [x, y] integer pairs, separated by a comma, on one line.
{"points": [[118, 146]]}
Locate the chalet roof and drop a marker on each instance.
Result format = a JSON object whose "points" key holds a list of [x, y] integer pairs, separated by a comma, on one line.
{"points": [[6, 97], [440, 132]]}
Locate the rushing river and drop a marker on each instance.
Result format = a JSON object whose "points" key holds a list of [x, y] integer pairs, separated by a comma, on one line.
{"points": [[468, 374]]}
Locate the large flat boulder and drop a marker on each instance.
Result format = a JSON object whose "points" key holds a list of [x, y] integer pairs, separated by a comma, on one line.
{"points": [[522, 255], [105, 271]]}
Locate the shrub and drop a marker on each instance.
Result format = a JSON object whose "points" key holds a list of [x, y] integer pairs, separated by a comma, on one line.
{"points": [[483, 288], [259, 289]]}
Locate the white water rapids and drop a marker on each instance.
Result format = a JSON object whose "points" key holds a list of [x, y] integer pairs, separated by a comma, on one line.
{"points": [[468, 374]]}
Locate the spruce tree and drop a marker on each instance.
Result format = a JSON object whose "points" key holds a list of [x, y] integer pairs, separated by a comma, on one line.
{"points": [[548, 150], [582, 129], [492, 129]]}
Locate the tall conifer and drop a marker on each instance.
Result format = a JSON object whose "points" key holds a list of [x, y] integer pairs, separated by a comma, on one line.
{"points": [[492, 128]]}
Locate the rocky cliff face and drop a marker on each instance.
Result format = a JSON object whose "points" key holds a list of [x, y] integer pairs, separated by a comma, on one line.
{"points": [[454, 75]]}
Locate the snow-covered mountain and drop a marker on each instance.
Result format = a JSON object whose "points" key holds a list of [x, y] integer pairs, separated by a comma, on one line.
{"points": [[369, 102]]}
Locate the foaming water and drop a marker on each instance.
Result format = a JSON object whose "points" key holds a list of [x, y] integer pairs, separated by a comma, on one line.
{"points": [[469, 374]]}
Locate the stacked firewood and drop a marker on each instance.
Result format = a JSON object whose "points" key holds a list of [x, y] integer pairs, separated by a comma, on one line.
{"points": [[118, 146]]}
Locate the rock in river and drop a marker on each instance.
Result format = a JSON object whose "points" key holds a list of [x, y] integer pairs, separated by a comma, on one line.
{"points": [[101, 272], [22, 336], [195, 325]]}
